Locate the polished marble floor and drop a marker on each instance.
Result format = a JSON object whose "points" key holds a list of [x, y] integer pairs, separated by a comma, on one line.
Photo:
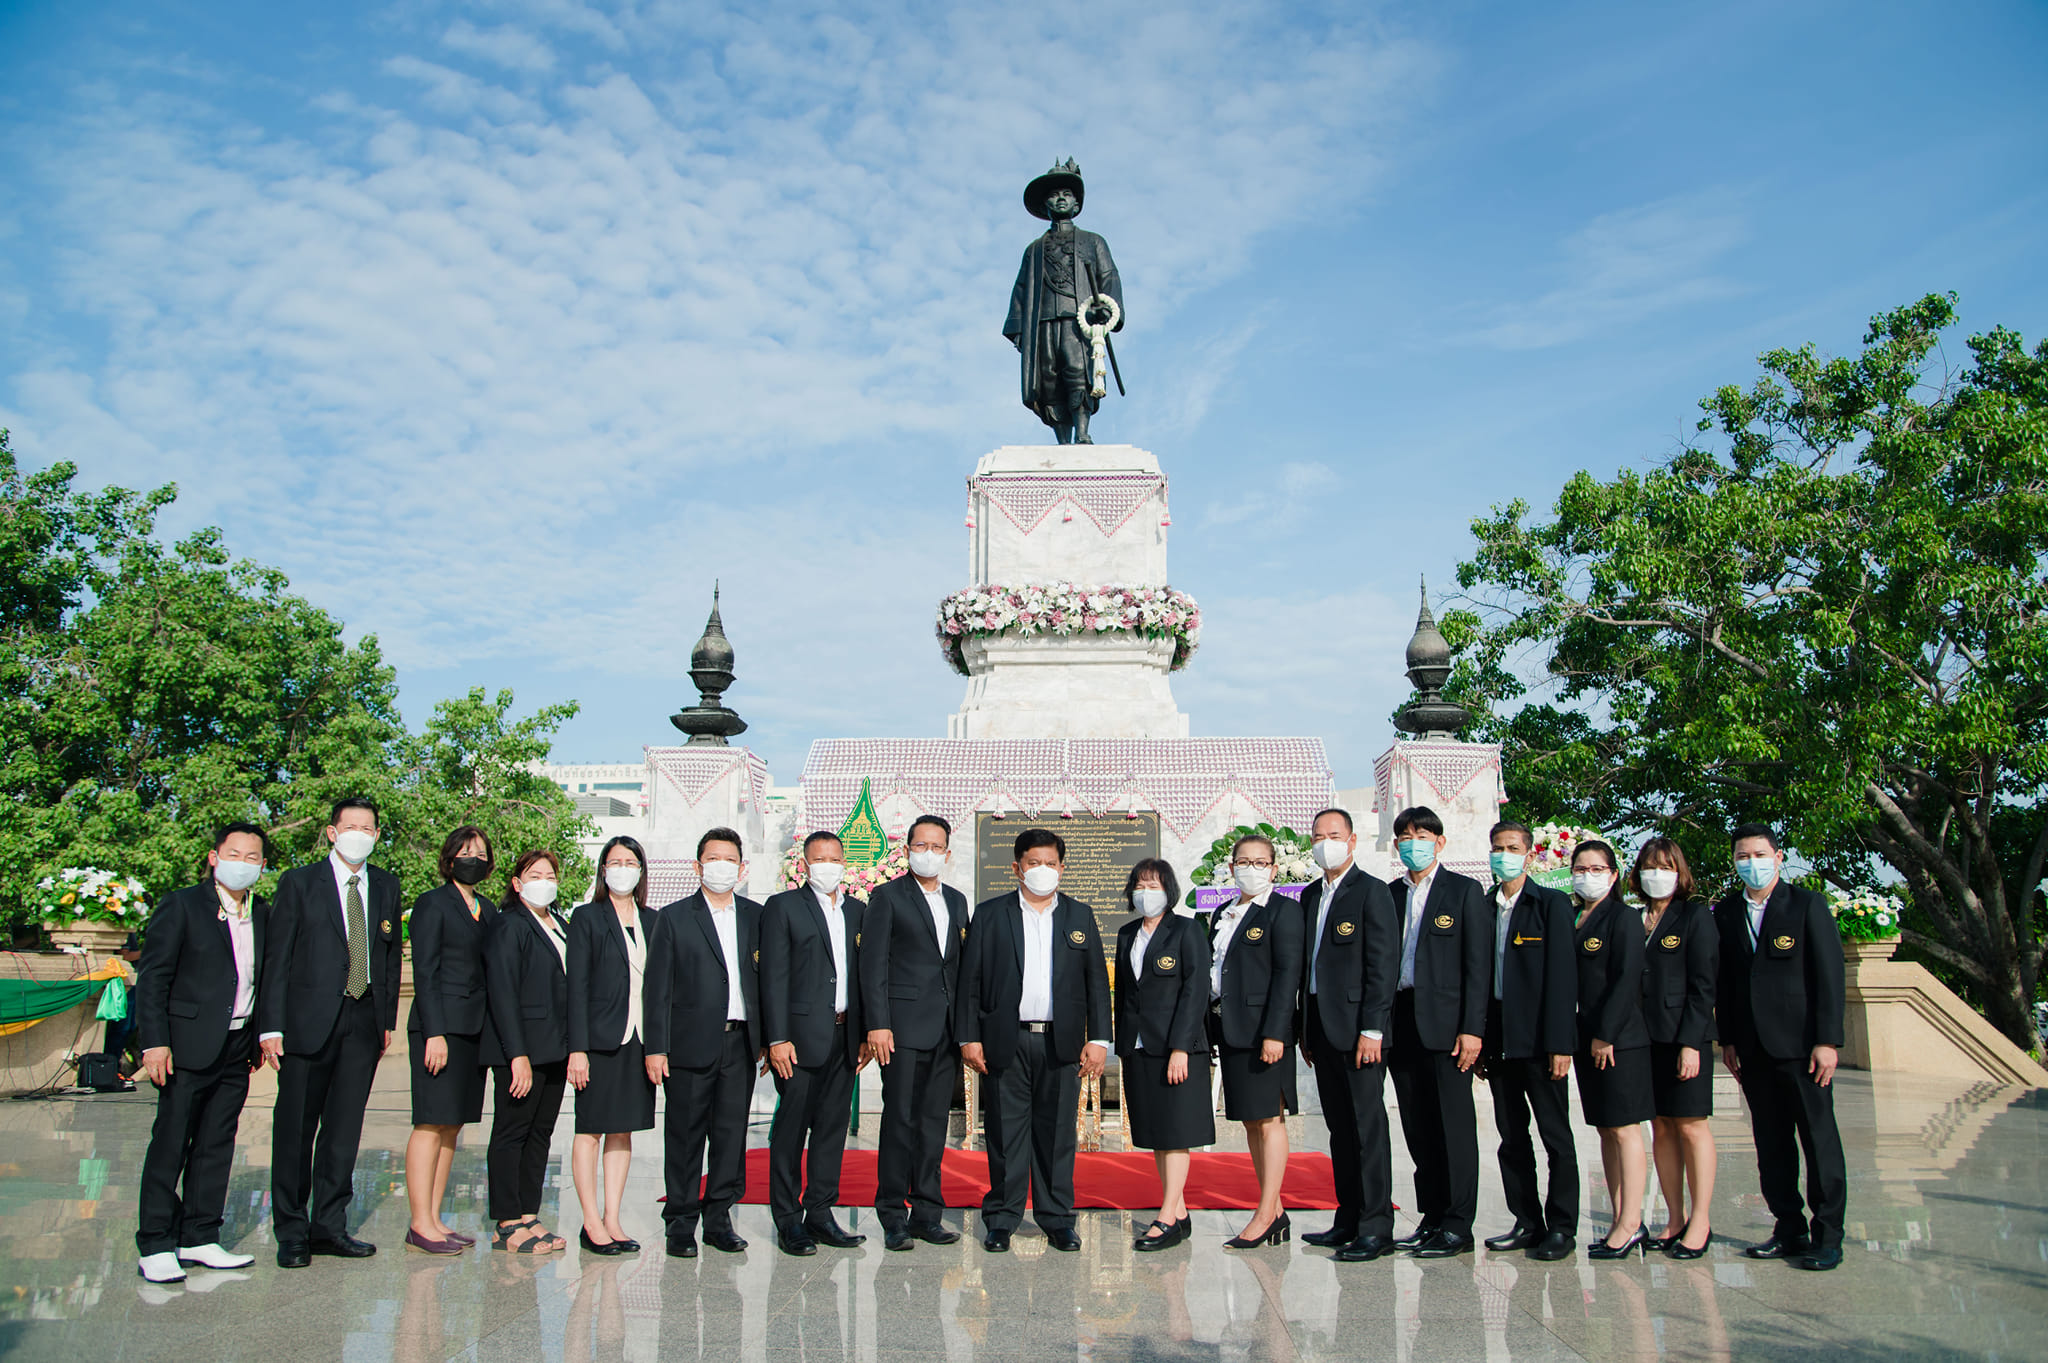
{"points": [[1947, 1259]]}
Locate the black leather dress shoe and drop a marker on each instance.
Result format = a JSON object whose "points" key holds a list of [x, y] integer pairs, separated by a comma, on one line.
{"points": [[1445, 1245], [1417, 1238], [793, 1240], [1553, 1246], [1364, 1249], [293, 1256], [1065, 1241], [1521, 1237], [1780, 1247], [898, 1238], [1820, 1260], [682, 1247], [725, 1240], [996, 1242], [1336, 1237], [935, 1234], [343, 1247], [828, 1232]]}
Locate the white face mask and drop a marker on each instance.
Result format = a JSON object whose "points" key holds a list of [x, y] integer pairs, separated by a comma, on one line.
{"points": [[927, 864], [355, 845], [1659, 882], [539, 893], [1331, 853], [1252, 881], [1042, 880], [237, 875], [826, 875], [622, 879], [1151, 903], [719, 877], [1591, 886]]}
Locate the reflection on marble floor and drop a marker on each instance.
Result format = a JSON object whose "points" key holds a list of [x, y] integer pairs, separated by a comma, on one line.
{"points": [[1948, 1259]]}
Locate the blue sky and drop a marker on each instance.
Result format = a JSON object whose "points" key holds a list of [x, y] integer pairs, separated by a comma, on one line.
{"points": [[506, 328]]}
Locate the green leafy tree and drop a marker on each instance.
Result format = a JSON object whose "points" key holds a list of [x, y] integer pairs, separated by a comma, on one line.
{"points": [[152, 692], [1829, 614]]}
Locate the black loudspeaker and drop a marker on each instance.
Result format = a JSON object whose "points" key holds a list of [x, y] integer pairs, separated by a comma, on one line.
{"points": [[98, 1070]]}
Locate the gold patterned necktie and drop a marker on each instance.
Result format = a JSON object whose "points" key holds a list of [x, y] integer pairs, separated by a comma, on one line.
{"points": [[358, 941]]}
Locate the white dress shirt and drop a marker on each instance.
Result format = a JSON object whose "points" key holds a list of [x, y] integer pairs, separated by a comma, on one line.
{"points": [[835, 928], [636, 963], [1227, 921], [935, 900], [241, 937], [1418, 900], [1756, 916], [552, 926], [1507, 903], [1034, 1004], [726, 922]]}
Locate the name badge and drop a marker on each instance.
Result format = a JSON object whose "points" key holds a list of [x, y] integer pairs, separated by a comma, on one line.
{"points": [[1520, 940]]}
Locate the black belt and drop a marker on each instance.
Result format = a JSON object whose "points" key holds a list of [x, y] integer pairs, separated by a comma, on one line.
{"points": [[1036, 1026]]}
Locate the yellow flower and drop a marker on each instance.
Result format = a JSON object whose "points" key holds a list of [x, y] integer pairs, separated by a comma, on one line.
{"points": [[68, 899]]}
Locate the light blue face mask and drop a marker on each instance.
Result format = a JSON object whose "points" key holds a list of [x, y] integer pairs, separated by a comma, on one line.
{"points": [[1756, 872], [1417, 853], [1508, 865]]}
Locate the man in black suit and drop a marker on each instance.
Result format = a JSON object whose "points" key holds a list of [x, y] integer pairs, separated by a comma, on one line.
{"points": [[1779, 1004], [703, 1012], [329, 1003], [1440, 1002], [810, 1009], [1531, 1032], [1354, 950], [1032, 1015], [194, 1002], [909, 966]]}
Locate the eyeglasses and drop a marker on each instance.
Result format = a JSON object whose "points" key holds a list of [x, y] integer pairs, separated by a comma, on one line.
{"points": [[1260, 865]]}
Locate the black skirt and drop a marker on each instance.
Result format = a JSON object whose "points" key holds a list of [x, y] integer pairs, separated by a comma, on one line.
{"points": [[1254, 1090], [455, 1096], [1675, 1097], [1165, 1116], [618, 1096], [1619, 1095]]}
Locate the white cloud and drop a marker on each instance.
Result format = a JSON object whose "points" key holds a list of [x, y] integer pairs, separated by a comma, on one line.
{"points": [[506, 46]]}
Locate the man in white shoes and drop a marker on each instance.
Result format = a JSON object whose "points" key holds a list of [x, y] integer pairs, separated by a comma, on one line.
{"points": [[194, 1008]]}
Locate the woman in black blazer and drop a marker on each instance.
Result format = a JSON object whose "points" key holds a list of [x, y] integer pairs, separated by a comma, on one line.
{"points": [[1162, 1007], [607, 1054], [526, 1044], [1683, 946], [445, 1033], [1614, 1044], [1253, 986]]}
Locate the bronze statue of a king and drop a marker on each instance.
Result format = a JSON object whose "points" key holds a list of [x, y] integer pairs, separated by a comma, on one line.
{"points": [[1067, 302]]}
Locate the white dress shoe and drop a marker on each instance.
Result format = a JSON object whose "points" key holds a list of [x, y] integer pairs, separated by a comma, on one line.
{"points": [[213, 1256], [160, 1268]]}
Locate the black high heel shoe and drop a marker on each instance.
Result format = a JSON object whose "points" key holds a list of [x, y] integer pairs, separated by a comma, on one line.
{"points": [[1279, 1233], [1603, 1250], [1678, 1249], [1171, 1234], [1663, 1243]]}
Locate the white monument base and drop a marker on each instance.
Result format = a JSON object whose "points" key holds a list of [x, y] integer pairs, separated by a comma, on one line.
{"points": [[1076, 686], [1460, 781]]}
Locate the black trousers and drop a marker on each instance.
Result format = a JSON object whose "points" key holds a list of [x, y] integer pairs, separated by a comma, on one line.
{"points": [[917, 1101], [318, 1125], [1439, 1123], [708, 1107], [815, 1108], [1523, 1088], [1030, 1107], [522, 1130], [194, 1138], [1361, 1147], [1789, 1115]]}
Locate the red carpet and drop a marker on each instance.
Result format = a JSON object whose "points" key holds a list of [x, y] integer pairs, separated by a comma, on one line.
{"points": [[1120, 1180]]}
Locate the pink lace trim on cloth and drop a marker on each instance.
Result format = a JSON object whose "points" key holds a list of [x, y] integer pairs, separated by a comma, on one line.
{"points": [[1447, 767], [1108, 499], [694, 771]]}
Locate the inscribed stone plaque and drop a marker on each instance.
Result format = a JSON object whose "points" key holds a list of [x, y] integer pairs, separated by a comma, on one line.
{"points": [[1101, 850]]}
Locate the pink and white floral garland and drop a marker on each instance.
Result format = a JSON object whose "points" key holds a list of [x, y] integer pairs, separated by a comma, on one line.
{"points": [[1064, 608]]}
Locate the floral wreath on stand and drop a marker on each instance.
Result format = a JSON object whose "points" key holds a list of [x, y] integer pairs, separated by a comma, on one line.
{"points": [[1292, 863], [1063, 608], [87, 893], [1550, 862]]}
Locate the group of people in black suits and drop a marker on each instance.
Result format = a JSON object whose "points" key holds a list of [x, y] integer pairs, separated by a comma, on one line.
{"points": [[1434, 980]]}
